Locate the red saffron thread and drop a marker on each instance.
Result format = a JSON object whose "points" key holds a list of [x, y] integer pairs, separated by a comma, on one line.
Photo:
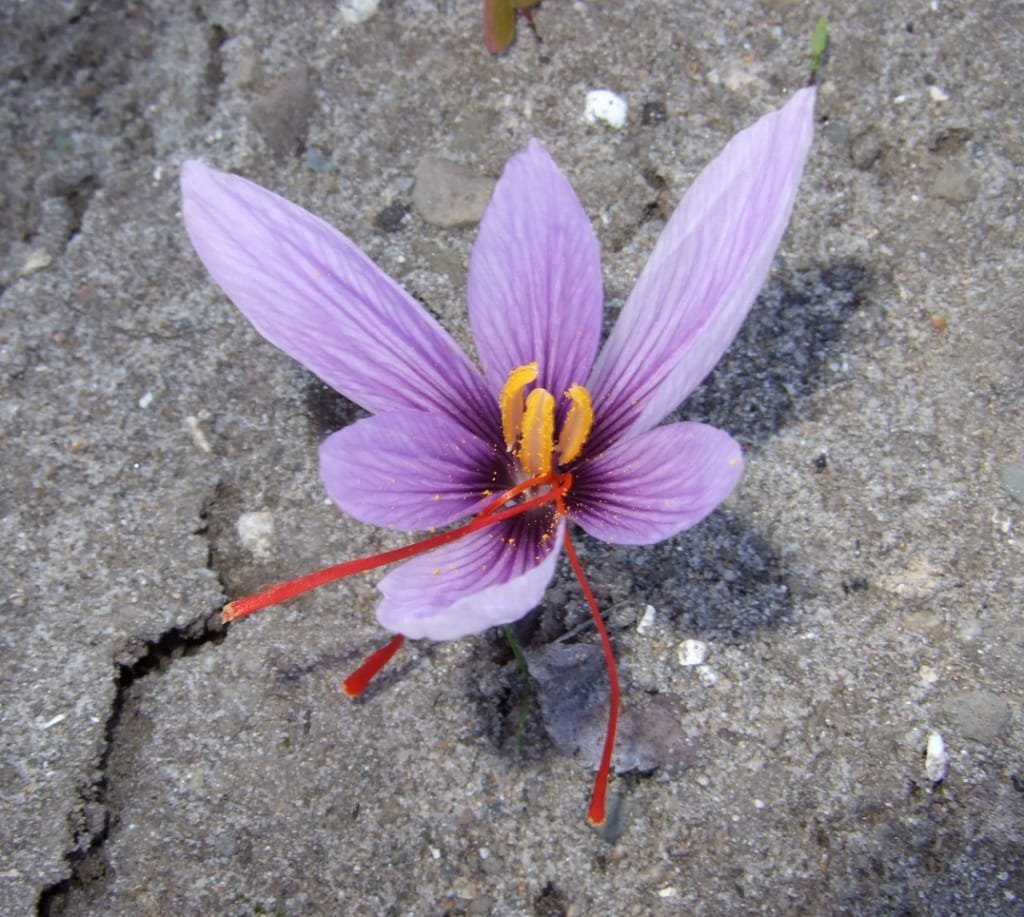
{"points": [[597, 812], [358, 681], [282, 592]]}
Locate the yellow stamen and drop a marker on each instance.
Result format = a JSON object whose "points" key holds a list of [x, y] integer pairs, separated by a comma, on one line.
{"points": [[528, 422], [538, 428], [513, 402], [576, 426]]}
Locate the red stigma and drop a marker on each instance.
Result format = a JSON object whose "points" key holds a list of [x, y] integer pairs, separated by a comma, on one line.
{"points": [[360, 679]]}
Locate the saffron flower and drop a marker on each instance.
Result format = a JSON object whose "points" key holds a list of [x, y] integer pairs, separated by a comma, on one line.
{"points": [[551, 430]]}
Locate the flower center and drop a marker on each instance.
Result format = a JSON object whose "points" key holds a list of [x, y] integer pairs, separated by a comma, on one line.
{"points": [[528, 422]]}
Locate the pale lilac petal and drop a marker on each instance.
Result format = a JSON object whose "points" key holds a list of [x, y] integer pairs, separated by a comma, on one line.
{"points": [[408, 470], [535, 277], [315, 295], [704, 274], [656, 484], [475, 583]]}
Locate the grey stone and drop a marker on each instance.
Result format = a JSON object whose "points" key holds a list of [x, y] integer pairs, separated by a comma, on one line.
{"points": [[866, 149], [980, 715], [247, 72], [954, 182], [283, 113], [571, 686], [447, 195], [1011, 475]]}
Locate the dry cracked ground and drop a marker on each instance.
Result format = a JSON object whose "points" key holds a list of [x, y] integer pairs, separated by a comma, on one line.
{"points": [[859, 596]]}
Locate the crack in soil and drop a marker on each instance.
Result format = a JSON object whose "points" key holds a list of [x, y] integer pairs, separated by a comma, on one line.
{"points": [[92, 822]]}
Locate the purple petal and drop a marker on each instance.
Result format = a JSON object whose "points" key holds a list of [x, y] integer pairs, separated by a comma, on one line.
{"points": [[656, 484], [704, 274], [408, 470], [535, 277], [477, 582], [311, 292]]}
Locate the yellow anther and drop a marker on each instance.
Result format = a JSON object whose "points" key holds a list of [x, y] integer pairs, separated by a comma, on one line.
{"points": [[576, 426], [528, 422], [513, 402], [538, 429]]}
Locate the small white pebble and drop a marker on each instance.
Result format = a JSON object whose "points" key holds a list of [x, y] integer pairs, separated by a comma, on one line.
{"points": [[1002, 523], [669, 891], [355, 11], [435, 853], [198, 436], [692, 652], [928, 675], [708, 676], [603, 105], [36, 261], [146, 400], [737, 79], [256, 532], [938, 94], [484, 853], [59, 718], [646, 622], [758, 803], [936, 758]]}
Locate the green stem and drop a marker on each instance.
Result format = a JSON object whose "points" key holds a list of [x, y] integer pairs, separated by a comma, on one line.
{"points": [[524, 667]]}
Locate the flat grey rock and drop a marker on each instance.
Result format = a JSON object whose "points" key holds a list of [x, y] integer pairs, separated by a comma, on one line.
{"points": [[282, 113], [980, 715], [448, 196], [954, 182]]}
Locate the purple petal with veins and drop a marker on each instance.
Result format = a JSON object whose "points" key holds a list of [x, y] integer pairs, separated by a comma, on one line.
{"points": [[654, 485], [704, 274], [535, 277], [408, 470], [312, 293]]}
